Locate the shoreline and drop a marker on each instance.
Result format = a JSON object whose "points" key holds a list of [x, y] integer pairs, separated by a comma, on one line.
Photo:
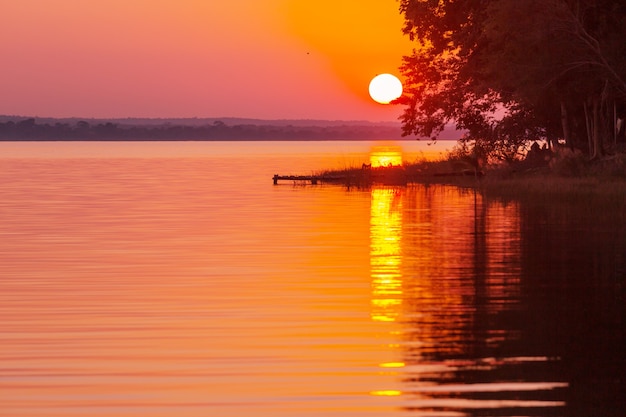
{"points": [[565, 180]]}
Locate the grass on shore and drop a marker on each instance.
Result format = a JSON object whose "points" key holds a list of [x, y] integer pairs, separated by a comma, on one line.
{"points": [[566, 177]]}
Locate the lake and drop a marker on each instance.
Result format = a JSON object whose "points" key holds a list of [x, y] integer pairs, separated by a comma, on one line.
{"points": [[174, 279]]}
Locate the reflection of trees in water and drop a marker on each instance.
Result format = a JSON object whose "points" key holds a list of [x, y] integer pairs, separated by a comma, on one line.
{"points": [[464, 309], [511, 308], [574, 289]]}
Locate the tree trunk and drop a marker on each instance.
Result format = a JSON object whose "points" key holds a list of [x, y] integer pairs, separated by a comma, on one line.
{"points": [[565, 124], [592, 120], [615, 128], [589, 128], [596, 135]]}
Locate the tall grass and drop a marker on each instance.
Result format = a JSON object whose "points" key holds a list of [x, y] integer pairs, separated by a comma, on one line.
{"points": [[568, 177]]}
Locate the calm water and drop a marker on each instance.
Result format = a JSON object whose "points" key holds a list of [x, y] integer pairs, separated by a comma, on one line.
{"points": [[173, 279]]}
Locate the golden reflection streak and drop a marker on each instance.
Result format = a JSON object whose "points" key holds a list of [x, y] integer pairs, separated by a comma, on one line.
{"points": [[383, 156], [385, 256], [392, 365], [386, 393]]}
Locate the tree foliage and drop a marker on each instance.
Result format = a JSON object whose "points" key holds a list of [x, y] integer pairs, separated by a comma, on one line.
{"points": [[510, 72]]}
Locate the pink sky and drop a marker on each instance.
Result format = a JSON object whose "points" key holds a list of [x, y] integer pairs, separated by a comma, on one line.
{"points": [[269, 59]]}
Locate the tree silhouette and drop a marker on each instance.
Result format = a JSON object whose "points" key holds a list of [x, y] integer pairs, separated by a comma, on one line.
{"points": [[510, 72]]}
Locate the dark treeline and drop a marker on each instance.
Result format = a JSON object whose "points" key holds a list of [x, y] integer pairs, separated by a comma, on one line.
{"points": [[513, 72], [29, 129]]}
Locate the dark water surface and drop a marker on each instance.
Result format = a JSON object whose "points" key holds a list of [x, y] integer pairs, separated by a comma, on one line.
{"points": [[175, 280]]}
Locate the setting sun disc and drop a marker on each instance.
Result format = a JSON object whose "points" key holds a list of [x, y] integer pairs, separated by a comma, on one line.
{"points": [[385, 88]]}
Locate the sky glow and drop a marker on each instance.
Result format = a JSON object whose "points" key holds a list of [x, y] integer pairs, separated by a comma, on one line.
{"points": [[270, 59]]}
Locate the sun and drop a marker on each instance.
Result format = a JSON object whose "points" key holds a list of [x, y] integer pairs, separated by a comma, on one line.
{"points": [[384, 88]]}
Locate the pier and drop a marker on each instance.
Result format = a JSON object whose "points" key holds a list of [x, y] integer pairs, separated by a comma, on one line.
{"points": [[313, 179], [366, 176]]}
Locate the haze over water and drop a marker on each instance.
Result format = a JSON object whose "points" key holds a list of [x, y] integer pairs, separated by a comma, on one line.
{"points": [[174, 279]]}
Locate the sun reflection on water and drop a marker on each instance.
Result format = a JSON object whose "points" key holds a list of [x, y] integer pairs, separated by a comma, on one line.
{"points": [[392, 365], [387, 393], [386, 261], [447, 311], [384, 156], [385, 256]]}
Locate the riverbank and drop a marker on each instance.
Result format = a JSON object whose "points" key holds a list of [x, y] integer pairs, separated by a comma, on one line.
{"points": [[566, 177]]}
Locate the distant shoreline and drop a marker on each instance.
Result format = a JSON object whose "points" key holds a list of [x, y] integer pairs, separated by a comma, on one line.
{"points": [[15, 128], [195, 121]]}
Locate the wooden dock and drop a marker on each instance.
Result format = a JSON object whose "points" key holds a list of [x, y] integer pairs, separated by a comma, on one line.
{"points": [[308, 178], [356, 177], [313, 179]]}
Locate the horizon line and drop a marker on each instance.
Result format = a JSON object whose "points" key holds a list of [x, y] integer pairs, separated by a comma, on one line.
{"points": [[204, 118]]}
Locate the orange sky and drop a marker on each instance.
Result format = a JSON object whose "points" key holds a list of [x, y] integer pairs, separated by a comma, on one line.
{"points": [[270, 59]]}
